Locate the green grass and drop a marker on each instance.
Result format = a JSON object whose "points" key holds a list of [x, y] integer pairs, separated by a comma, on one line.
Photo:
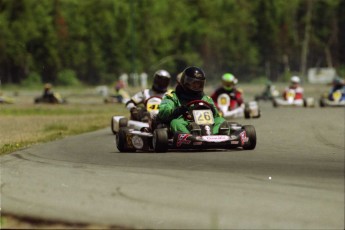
{"points": [[23, 123]]}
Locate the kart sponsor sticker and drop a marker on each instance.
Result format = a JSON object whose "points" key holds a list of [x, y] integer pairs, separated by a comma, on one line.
{"points": [[234, 142], [215, 138], [137, 142], [182, 139], [129, 140], [244, 137]]}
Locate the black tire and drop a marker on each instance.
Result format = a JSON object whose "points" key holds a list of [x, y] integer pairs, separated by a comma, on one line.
{"points": [[160, 140], [321, 103], [246, 114], [246, 111], [304, 103], [275, 104], [251, 135], [121, 140], [123, 122]]}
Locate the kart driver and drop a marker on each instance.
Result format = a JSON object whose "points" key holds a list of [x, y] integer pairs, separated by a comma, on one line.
{"points": [[236, 107], [190, 87], [337, 84], [47, 91], [161, 80], [296, 88]]}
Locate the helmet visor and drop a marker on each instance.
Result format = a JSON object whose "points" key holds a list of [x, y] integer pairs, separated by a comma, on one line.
{"points": [[228, 84], [161, 83], [193, 84]]}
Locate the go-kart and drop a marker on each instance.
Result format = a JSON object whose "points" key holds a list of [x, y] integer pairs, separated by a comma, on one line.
{"points": [[141, 121], [6, 100], [292, 101], [120, 97], [246, 110], [161, 139], [268, 94], [54, 98], [334, 99]]}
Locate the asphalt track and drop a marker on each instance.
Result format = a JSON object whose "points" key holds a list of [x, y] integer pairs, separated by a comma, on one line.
{"points": [[294, 179]]}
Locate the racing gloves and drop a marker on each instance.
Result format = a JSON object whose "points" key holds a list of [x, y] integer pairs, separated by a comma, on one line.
{"points": [[179, 111]]}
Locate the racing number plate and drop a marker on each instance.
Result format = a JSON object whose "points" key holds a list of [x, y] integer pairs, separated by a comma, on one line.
{"points": [[203, 117], [290, 94], [337, 95], [223, 100], [152, 106]]}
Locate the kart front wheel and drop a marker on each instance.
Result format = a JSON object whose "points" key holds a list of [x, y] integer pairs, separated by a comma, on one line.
{"points": [[121, 140], [160, 140], [123, 122], [251, 135], [321, 103], [275, 103], [246, 111]]}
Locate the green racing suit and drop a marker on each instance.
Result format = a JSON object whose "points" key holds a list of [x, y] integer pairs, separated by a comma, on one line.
{"points": [[170, 102]]}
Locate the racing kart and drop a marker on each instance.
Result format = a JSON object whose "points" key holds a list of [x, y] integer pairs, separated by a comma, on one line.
{"points": [[268, 94], [120, 97], [246, 110], [141, 121], [54, 98], [334, 99], [6, 100], [161, 139], [291, 101]]}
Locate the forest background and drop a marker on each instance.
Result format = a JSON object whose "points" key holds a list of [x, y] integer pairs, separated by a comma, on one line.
{"points": [[95, 41]]}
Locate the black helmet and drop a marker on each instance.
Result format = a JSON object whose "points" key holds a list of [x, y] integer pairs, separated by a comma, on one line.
{"points": [[161, 80], [193, 79]]}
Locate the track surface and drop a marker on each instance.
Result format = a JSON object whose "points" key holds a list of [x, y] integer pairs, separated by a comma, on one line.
{"points": [[85, 179]]}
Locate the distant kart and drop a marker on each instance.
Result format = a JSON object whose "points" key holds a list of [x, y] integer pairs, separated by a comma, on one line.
{"points": [[291, 101], [335, 99], [162, 139], [246, 110], [6, 100], [267, 95], [146, 113], [120, 97], [54, 98]]}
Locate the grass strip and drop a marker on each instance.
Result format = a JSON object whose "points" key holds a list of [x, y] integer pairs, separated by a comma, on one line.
{"points": [[22, 126]]}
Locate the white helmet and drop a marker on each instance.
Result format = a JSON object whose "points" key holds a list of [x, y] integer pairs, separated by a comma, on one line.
{"points": [[295, 79]]}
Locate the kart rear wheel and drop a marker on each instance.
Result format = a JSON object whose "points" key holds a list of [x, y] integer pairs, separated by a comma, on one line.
{"points": [[121, 140], [305, 103], [246, 111], [275, 103], [321, 103], [251, 135], [160, 140]]}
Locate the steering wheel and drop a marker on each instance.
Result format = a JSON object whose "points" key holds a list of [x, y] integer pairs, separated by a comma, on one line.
{"points": [[199, 104]]}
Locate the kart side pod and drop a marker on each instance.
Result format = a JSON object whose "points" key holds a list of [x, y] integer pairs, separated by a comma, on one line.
{"points": [[120, 121]]}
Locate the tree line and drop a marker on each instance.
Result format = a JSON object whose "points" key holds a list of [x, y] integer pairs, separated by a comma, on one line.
{"points": [[97, 40]]}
